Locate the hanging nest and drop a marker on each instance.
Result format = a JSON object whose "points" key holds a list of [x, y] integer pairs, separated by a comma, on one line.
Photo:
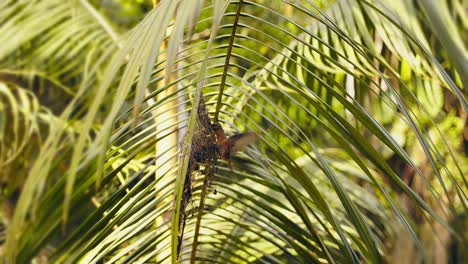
{"points": [[203, 156]]}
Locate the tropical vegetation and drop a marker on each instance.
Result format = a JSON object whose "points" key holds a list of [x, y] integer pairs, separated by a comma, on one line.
{"points": [[111, 112]]}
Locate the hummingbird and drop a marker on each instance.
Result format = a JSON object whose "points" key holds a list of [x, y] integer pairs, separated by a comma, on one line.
{"points": [[230, 145]]}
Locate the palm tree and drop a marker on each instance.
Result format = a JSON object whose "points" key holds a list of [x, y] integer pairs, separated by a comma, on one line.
{"points": [[111, 147]]}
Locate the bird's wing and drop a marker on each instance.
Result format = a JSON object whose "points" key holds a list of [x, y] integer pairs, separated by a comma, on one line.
{"points": [[239, 141]]}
